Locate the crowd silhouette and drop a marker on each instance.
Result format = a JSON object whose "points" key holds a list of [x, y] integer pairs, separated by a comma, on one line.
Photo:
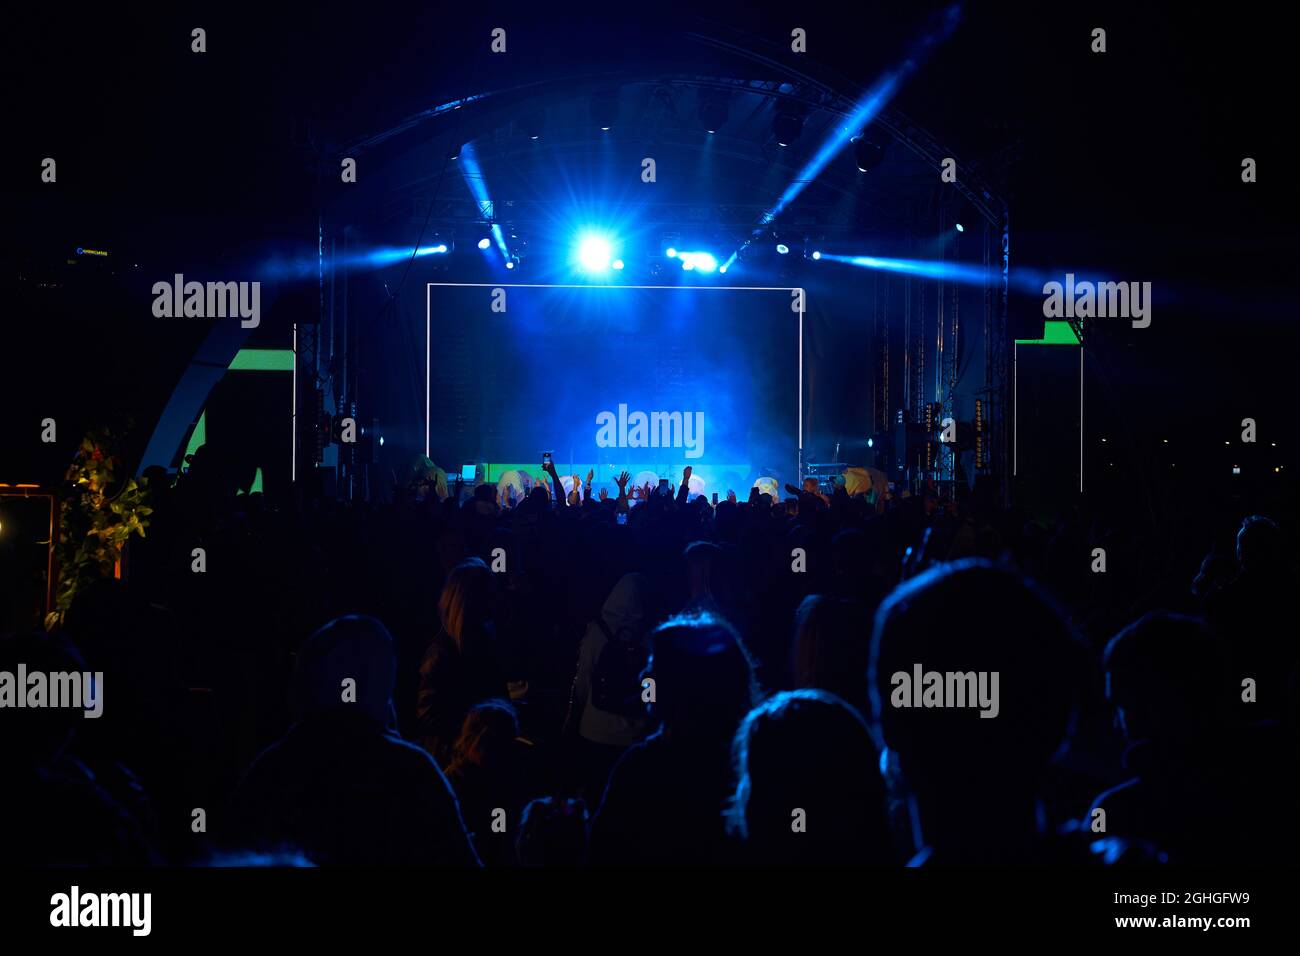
{"points": [[630, 678]]}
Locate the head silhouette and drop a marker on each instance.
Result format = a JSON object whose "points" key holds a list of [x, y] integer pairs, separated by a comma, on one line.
{"points": [[969, 621], [466, 600], [1260, 548], [352, 649], [808, 784], [1162, 674], [704, 677]]}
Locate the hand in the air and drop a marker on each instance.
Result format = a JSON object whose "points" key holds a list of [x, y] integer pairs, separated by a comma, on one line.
{"points": [[603, 494]]}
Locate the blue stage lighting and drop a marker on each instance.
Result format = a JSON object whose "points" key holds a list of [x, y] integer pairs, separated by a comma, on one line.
{"points": [[510, 263], [617, 263], [594, 253], [671, 253], [722, 268], [698, 261], [484, 242], [816, 254], [960, 228], [871, 442], [782, 248], [431, 250]]}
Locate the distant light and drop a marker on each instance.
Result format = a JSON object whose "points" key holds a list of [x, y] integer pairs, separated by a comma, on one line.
{"points": [[431, 250], [782, 248], [871, 442], [617, 264], [605, 129], [960, 227], [671, 253], [817, 254], [381, 440], [510, 263], [594, 253], [536, 136], [484, 242], [722, 268], [1103, 441], [698, 261]]}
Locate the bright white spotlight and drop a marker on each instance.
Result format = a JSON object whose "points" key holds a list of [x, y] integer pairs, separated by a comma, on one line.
{"points": [[510, 263], [594, 253], [703, 262], [817, 254], [960, 227], [617, 264], [671, 253], [484, 242], [782, 248], [722, 268]]}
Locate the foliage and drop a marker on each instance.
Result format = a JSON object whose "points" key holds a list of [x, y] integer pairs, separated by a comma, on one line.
{"points": [[97, 516]]}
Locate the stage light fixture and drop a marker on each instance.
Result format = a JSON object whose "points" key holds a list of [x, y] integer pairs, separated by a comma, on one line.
{"points": [[594, 253], [698, 262], [617, 264], [867, 154], [786, 127], [960, 227], [453, 152], [671, 253], [817, 254], [604, 109], [484, 242], [713, 114], [722, 268], [782, 248], [532, 125], [510, 263]]}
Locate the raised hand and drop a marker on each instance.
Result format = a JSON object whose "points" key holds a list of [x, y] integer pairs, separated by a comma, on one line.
{"points": [[686, 474], [731, 496], [622, 481], [591, 473], [603, 494], [647, 491]]}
